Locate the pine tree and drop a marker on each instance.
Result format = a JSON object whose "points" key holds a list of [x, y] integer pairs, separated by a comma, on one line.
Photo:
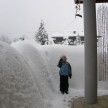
{"points": [[41, 36]]}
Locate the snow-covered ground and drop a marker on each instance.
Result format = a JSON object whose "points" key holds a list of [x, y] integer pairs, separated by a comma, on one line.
{"points": [[29, 76]]}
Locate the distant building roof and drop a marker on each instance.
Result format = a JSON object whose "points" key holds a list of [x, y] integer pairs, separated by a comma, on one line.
{"points": [[67, 34]]}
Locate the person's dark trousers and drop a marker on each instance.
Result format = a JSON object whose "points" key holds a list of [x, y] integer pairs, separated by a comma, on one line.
{"points": [[64, 84]]}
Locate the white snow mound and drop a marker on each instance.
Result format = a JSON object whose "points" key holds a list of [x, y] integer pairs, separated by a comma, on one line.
{"points": [[17, 86], [38, 67]]}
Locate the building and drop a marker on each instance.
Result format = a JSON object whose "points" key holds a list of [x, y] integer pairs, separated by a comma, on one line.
{"points": [[58, 40], [73, 39]]}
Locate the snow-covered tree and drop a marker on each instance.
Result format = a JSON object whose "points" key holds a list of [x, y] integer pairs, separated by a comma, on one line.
{"points": [[41, 36]]}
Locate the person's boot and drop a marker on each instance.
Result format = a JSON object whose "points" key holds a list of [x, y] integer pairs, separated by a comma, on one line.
{"points": [[66, 92], [62, 92]]}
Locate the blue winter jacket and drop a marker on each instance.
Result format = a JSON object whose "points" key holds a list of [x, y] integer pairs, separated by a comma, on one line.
{"points": [[65, 69]]}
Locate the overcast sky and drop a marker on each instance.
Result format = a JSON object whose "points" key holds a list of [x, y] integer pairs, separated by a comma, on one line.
{"points": [[18, 17]]}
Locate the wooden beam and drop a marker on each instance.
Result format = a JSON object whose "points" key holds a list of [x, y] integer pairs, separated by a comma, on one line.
{"points": [[97, 1]]}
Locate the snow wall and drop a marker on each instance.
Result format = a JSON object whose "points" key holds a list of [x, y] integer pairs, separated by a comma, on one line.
{"points": [[17, 85], [39, 68]]}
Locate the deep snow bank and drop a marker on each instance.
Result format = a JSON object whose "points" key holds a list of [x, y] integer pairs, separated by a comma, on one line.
{"points": [[17, 86], [39, 68]]}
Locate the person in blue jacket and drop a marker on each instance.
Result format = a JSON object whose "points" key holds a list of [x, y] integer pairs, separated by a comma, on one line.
{"points": [[65, 72]]}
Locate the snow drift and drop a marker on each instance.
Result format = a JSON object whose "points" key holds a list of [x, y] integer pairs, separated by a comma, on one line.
{"points": [[17, 86], [38, 66], [39, 69]]}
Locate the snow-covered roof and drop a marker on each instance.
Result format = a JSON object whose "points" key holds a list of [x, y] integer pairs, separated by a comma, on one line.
{"points": [[67, 34]]}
